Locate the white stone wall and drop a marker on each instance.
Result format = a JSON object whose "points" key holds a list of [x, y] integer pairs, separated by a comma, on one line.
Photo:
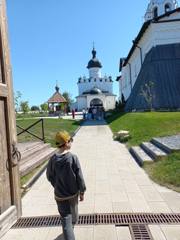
{"points": [[84, 101], [104, 84], [95, 72], [156, 34]]}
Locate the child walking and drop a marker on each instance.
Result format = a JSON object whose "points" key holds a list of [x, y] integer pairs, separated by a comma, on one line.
{"points": [[65, 175]]}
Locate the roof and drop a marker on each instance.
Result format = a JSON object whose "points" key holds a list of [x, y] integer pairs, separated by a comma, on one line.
{"points": [[94, 62], [162, 68], [57, 98], [144, 28]]}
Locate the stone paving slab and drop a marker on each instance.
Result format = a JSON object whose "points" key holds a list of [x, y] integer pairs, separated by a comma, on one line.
{"points": [[115, 183]]}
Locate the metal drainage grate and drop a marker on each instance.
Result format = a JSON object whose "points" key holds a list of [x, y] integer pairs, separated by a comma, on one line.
{"points": [[95, 219], [140, 232]]}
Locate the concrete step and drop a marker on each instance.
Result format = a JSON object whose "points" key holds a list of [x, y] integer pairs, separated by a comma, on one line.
{"points": [[152, 150], [140, 155], [161, 145], [168, 144], [32, 152], [36, 161]]}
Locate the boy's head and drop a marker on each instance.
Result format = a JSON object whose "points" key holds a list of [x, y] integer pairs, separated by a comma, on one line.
{"points": [[63, 140]]}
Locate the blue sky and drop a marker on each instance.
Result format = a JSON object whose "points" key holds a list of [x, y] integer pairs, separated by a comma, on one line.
{"points": [[51, 40]]}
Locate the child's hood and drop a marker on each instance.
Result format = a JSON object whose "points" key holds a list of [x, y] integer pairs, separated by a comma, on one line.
{"points": [[61, 159]]}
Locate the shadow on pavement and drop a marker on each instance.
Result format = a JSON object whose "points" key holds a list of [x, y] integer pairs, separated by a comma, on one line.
{"points": [[93, 122], [60, 237]]}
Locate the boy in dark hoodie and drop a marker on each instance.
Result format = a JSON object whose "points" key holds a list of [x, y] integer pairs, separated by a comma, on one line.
{"points": [[65, 175]]}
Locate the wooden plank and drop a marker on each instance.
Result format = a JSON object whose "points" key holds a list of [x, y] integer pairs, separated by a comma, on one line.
{"points": [[7, 115], [3, 90], [5, 197]]}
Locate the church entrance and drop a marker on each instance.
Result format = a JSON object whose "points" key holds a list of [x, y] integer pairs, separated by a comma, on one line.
{"points": [[96, 102], [10, 198], [97, 109]]}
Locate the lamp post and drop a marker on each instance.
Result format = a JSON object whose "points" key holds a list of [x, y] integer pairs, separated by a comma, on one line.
{"points": [[139, 49]]}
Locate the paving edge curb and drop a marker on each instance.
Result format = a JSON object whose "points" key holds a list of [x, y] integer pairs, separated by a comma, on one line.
{"points": [[75, 132]]}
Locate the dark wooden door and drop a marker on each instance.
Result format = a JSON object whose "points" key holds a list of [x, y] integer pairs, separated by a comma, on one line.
{"points": [[10, 200]]}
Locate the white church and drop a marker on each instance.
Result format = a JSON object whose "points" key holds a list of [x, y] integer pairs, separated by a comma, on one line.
{"points": [[95, 91], [154, 58]]}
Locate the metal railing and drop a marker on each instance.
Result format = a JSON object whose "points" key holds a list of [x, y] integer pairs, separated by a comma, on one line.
{"points": [[42, 138]]}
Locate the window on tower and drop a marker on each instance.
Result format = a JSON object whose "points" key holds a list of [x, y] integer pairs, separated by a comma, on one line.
{"points": [[155, 12], [167, 7]]}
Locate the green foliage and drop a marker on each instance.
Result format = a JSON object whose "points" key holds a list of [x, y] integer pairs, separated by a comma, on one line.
{"points": [[35, 108], [166, 171], [120, 106], [147, 93], [17, 97], [44, 107], [69, 99], [24, 106]]}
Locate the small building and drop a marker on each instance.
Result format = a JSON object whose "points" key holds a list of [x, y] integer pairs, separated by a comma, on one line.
{"points": [[57, 104], [95, 91], [153, 62]]}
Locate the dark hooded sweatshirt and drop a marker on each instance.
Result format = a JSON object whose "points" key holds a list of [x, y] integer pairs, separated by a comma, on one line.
{"points": [[64, 173]]}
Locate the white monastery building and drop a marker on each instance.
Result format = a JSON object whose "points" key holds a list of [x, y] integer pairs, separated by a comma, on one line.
{"points": [[154, 60], [95, 91]]}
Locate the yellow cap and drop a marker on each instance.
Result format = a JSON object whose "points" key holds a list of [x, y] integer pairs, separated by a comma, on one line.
{"points": [[62, 137]]}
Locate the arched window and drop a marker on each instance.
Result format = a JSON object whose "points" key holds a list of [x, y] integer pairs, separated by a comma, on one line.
{"points": [[167, 7], [155, 12]]}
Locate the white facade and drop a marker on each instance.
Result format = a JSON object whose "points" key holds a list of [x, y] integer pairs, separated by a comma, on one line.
{"points": [[86, 84], [159, 32], [95, 87]]}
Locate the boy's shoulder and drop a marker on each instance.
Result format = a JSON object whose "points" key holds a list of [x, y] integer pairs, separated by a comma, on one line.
{"points": [[72, 155], [67, 155]]}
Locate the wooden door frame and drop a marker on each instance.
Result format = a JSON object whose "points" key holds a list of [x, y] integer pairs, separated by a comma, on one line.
{"points": [[6, 90]]}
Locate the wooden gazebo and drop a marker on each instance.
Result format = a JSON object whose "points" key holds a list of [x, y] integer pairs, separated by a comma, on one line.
{"points": [[57, 104]]}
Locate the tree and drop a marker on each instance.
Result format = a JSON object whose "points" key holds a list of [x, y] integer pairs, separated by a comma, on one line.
{"points": [[35, 108], [123, 99], [24, 106], [17, 97], [69, 99], [44, 107], [147, 93]]}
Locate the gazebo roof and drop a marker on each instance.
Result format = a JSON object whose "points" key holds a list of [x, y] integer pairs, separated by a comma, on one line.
{"points": [[57, 97]]}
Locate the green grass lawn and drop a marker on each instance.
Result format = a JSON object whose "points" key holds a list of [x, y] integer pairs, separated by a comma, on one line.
{"points": [[145, 126], [51, 126], [166, 171]]}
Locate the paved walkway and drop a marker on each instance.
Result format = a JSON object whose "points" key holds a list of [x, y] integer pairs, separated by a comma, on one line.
{"points": [[115, 183]]}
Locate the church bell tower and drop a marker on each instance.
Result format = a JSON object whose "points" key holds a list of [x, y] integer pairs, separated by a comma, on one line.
{"points": [[159, 7]]}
